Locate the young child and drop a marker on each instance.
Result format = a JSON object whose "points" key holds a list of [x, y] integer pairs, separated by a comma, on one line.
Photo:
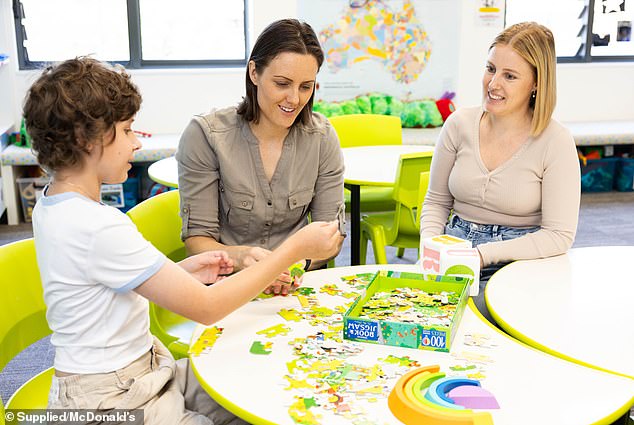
{"points": [[97, 270]]}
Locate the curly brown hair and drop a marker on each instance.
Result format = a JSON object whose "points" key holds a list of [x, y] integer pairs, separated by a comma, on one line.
{"points": [[75, 104]]}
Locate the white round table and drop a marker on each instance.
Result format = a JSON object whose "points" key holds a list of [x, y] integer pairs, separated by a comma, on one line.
{"points": [[530, 386], [164, 171], [578, 306]]}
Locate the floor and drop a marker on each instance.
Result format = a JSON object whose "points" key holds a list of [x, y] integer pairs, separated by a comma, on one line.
{"points": [[604, 219]]}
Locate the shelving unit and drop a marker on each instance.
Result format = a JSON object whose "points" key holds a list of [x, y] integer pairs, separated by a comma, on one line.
{"points": [[14, 161]]}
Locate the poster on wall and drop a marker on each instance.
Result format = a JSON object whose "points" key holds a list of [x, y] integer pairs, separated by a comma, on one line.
{"points": [[405, 48], [490, 13]]}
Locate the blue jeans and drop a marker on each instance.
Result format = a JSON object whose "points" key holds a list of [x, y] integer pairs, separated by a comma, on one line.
{"points": [[479, 234]]}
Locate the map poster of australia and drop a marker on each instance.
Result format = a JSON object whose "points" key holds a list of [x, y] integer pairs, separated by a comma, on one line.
{"points": [[407, 49]]}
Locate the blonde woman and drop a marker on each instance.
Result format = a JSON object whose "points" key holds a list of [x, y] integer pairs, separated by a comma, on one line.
{"points": [[505, 175]]}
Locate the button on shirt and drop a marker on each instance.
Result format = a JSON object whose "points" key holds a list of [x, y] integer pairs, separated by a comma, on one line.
{"points": [[226, 195]]}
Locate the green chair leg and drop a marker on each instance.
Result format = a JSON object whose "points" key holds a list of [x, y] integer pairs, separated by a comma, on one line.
{"points": [[400, 228], [377, 235], [378, 245]]}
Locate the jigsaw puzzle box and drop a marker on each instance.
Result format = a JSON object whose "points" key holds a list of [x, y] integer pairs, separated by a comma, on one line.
{"points": [[406, 334]]}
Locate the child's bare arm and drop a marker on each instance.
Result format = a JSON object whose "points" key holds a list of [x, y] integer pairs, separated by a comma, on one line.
{"points": [[175, 289]]}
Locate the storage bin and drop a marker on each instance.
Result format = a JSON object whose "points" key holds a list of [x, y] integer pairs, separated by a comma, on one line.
{"points": [[598, 175], [30, 191], [624, 176]]}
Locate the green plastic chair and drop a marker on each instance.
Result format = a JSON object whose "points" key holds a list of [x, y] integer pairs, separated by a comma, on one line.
{"points": [[22, 318], [400, 228], [158, 220], [369, 130]]}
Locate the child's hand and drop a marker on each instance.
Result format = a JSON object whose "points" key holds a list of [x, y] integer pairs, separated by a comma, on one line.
{"points": [[249, 255], [207, 266], [319, 240], [282, 285], [253, 254]]}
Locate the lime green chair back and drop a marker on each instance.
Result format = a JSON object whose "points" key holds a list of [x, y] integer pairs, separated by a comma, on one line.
{"points": [[400, 228], [367, 130], [22, 318], [423, 185], [158, 220]]}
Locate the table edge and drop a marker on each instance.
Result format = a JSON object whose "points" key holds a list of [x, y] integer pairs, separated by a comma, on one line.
{"points": [[523, 338]]}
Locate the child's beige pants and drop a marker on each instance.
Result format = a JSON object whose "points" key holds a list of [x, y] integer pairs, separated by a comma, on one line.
{"points": [[165, 389]]}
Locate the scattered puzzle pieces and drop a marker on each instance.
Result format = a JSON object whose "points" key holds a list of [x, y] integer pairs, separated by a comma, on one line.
{"points": [[472, 357], [290, 315], [479, 340], [330, 289], [460, 368], [305, 290], [401, 361], [301, 414], [303, 301], [261, 348], [205, 341], [273, 331]]}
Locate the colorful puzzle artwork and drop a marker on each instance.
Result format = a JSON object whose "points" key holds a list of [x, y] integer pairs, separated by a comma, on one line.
{"points": [[297, 271], [205, 341], [305, 290], [333, 289], [326, 375], [412, 305], [324, 378], [427, 395], [358, 281]]}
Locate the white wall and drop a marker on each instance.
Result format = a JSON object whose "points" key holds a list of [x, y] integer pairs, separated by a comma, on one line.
{"points": [[595, 92], [8, 114]]}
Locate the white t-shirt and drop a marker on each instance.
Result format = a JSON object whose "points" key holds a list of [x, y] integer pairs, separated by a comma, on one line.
{"points": [[91, 258]]}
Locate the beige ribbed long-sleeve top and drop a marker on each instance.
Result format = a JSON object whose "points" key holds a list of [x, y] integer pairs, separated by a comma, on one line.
{"points": [[538, 186]]}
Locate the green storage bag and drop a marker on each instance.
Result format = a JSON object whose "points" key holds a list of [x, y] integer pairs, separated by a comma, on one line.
{"points": [[364, 104], [379, 103], [349, 107]]}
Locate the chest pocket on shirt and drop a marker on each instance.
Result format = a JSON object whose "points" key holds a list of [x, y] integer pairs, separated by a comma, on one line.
{"points": [[238, 210], [298, 203]]}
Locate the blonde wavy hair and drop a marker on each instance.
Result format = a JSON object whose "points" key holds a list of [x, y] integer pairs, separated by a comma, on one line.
{"points": [[536, 45]]}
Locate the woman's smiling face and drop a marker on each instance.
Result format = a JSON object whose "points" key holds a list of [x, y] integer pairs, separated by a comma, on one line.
{"points": [[508, 82], [284, 87]]}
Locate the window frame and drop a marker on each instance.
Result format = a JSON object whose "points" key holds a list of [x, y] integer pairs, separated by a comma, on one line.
{"points": [[584, 54], [135, 45]]}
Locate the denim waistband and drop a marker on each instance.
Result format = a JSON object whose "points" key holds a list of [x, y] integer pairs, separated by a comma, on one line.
{"points": [[489, 229], [456, 221]]}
